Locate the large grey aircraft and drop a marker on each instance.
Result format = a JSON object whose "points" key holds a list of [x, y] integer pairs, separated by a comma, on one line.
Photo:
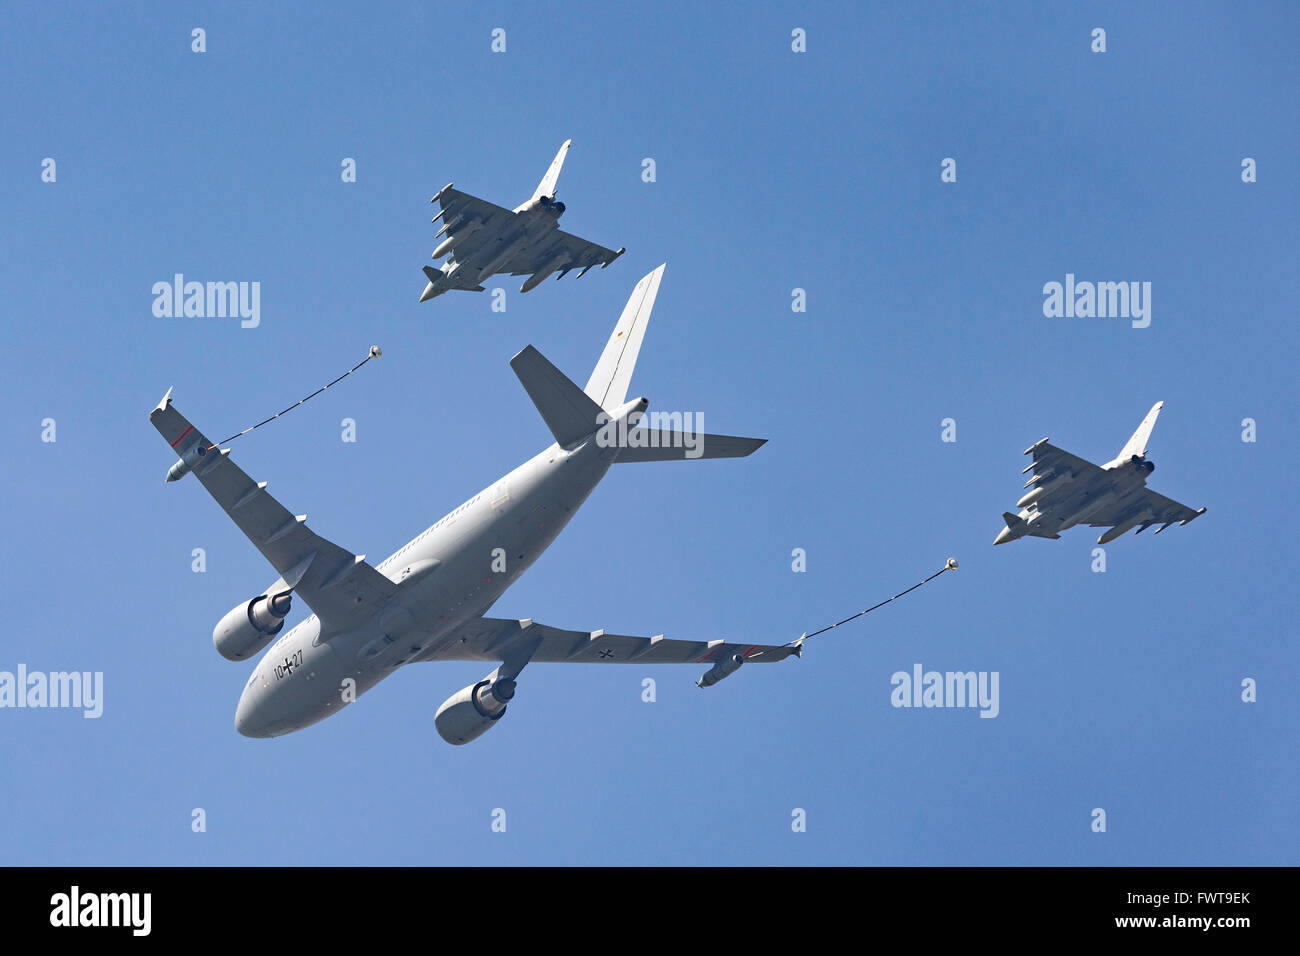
{"points": [[1066, 491], [427, 601], [484, 239]]}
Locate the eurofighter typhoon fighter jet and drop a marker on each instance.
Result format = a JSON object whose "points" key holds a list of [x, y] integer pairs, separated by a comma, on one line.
{"points": [[1066, 491], [484, 240], [428, 601]]}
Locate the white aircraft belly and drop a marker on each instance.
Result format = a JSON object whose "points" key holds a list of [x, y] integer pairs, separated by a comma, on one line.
{"points": [[446, 581]]}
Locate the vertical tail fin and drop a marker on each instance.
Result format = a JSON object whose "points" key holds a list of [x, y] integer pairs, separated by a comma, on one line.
{"points": [[609, 381], [547, 186], [1137, 445]]}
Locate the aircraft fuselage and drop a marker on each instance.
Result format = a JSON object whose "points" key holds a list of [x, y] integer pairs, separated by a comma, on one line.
{"points": [[449, 574]]}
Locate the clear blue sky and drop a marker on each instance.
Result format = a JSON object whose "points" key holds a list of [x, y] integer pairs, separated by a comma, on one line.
{"points": [[775, 170]]}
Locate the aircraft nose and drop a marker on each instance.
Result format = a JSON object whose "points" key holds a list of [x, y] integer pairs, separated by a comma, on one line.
{"points": [[249, 720]]}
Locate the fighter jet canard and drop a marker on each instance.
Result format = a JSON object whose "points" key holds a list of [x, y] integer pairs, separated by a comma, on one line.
{"points": [[427, 601], [1066, 491], [484, 239]]}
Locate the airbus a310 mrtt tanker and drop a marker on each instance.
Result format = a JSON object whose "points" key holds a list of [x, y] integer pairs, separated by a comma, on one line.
{"points": [[484, 239], [426, 602], [1066, 491]]}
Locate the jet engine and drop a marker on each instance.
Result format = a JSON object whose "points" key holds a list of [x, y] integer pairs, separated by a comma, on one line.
{"points": [[1150, 466], [247, 628], [471, 712], [552, 206]]}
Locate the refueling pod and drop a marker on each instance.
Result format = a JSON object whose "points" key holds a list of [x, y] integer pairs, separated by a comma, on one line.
{"points": [[723, 668]]}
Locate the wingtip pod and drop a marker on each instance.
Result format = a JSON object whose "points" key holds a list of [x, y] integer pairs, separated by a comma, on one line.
{"points": [[1192, 518], [438, 194], [951, 565], [615, 258], [1030, 449]]}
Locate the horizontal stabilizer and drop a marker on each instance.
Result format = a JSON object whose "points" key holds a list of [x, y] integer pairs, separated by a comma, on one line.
{"points": [[568, 412], [1012, 520], [666, 444]]}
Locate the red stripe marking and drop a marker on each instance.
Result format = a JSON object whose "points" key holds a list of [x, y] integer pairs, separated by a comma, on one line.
{"points": [[746, 651], [181, 436], [707, 656]]}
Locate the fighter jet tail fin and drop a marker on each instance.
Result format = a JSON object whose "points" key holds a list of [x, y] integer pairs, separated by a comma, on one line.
{"points": [[1012, 520], [568, 412], [1137, 445], [609, 381], [547, 186]]}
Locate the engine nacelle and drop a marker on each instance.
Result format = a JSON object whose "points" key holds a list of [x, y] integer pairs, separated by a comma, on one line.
{"points": [[471, 712], [247, 628]]}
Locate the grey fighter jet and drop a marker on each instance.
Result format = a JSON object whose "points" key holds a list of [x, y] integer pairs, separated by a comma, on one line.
{"points": [[1066, 491], [484, 240], [428, 600]]}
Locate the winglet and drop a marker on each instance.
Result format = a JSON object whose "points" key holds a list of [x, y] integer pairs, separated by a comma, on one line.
{"points": [[166, 400]]}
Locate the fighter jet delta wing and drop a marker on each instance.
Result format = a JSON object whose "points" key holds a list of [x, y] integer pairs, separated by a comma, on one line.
{"points": [[1141, 510], [1052, 463], [563, 251], [339, 586]]}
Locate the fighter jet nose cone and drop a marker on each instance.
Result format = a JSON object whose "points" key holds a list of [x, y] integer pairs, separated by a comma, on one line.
{"points": [[427, 294], [1003, 536]]}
